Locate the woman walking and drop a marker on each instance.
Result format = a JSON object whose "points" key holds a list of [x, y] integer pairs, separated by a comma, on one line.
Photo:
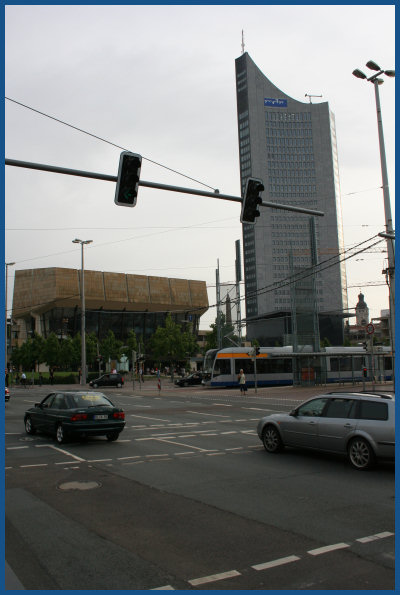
{"points": [[242, 382]]}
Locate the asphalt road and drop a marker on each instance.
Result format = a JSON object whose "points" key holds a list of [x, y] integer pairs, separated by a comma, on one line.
{"points": [[187, 498]]}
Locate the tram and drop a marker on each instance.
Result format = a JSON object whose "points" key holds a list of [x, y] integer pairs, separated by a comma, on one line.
{"points": [[275, 366]]}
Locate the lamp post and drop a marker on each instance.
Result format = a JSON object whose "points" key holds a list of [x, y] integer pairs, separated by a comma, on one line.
{"points": [[83, 315], [8, 264], [386, 196]]}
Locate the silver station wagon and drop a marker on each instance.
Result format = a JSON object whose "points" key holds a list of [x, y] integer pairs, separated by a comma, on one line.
{"points": [[359, 425]]}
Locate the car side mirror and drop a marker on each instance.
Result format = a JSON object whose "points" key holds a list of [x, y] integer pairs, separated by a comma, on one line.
{"points": [[293, 413], [38, 405]]}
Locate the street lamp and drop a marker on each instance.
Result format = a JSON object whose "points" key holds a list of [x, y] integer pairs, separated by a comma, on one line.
{"points": [[83, 315], [8, 264], [386, 196]]}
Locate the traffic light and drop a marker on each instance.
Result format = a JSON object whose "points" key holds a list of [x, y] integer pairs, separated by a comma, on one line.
{"points": [[251, 200], [128, 179], [257, 350], [364, 372]]}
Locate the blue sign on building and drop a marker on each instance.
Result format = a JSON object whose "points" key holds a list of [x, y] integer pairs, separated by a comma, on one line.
{"points": [[268, 102]]}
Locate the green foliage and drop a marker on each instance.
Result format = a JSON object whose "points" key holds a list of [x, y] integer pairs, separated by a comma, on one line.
{"points": [[132, 343], [226, 329], [171, 344], [110, 347], [52, 351], [325, 342]]}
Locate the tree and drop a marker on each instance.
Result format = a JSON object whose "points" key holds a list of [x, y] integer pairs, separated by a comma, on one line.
{"points": [[91, 349], [325, 342], [67, 353], [52, 351], [169, 343], [110, 347], [131, 343], [227, 330]]}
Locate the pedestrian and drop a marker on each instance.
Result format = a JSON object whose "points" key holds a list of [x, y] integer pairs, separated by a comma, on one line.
{"points": [[7, 377], [23, 379], [40, 379], [51, 375], [242, 382]]}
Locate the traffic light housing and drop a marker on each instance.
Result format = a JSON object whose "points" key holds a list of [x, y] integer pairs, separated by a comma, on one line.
{"points": [[257, 350], [128, 179], [251, 200], [364, 372]]}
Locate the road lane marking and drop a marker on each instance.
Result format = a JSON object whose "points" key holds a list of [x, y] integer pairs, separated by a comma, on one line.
{"points": [[328, 548], [153, 418], [273, 563], [126, 458], [64, 452], [375, 537], [214, 577], [66, 463], [209, 414], [15, 447], [180, 444], [37, 465], [98, 460], [166, 588]]}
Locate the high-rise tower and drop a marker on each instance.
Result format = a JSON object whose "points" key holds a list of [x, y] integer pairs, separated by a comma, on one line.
{"points": [[291, 146]]}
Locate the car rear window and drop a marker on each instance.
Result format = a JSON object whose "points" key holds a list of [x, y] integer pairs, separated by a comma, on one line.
{"points": [[373, 410], [90, 400]]}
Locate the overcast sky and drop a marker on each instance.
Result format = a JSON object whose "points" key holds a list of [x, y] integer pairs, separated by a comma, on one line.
{"points": [[160, 81]]}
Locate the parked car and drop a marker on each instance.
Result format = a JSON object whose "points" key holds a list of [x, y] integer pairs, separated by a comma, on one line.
{"points": [[7, 394], [190, 380], [108, 380], [358, 425], [76, 414]]}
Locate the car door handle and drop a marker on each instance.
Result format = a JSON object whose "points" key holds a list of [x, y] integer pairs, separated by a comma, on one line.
{"points": [[311, 422], [349, 426]]}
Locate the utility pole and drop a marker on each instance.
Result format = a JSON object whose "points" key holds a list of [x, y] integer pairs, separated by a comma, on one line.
{"points": [[219, 339], [238, 269]]}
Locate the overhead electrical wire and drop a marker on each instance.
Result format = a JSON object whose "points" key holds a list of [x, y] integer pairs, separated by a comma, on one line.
{"points": [[105, 141]]}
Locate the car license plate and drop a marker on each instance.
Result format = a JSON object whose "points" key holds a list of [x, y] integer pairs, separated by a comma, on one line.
{"points": [[101, 417]]}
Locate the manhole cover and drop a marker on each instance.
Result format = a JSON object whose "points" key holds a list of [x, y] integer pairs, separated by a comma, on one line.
{"points": [[79, 485]]}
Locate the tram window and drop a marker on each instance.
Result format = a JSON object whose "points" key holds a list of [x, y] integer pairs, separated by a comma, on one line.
{"points": [[247, 365], [342, 364], [388, 363], [222, 366], [274, 366]]}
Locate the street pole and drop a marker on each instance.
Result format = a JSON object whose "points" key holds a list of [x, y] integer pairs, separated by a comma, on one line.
{"points": [[134, 369], [8, 264], [388, 224], [255, 370], [386, 197], [83, 315]]}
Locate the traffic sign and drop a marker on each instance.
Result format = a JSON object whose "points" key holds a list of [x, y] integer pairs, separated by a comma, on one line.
{"points": [[370, 329]]}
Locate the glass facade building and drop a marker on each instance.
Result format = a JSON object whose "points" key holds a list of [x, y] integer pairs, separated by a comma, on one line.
{"points": [[291, 146]]}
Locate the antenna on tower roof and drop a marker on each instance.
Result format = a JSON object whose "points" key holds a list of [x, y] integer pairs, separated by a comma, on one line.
{"points": [[307, 95], [242, 42]]}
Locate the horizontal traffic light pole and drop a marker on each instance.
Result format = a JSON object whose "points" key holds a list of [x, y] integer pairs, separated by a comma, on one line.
{"points": [[107, 178]]}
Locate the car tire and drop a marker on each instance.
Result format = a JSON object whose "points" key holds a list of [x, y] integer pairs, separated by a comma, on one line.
{"points": [[119, 385], [95, 385], [360, 454], [272, 440], [111, 436], [60, 435], [29, 427]]}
